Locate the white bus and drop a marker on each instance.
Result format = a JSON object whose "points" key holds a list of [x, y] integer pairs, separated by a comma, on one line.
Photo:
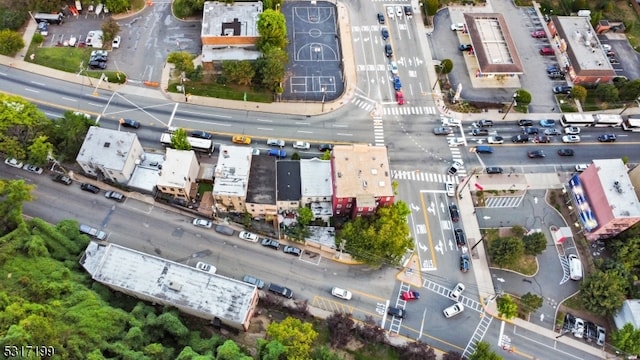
{"points": [[577, 119], [49, 18], [197, 144], [607, 120], [632, 123]]}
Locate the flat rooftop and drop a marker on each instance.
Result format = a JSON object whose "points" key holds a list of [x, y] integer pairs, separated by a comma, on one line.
{"points": [[315, 178], [361, 170], [239, 19], [107, 147], [618, 188], [169, 282], [232, 171], [262, 180], [288, 182], [492, 43], [175, 169], [583, 47]]}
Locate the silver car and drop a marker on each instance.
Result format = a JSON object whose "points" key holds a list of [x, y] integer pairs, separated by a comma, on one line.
{"points": [[275, 142]]}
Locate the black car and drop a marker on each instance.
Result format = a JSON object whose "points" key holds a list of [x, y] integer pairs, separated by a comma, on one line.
{"points": [[530, 130], [455, 214], [569, 322], [129, 123], [465, 263], [494, 170], [90, 188], [461, 240], [520, 139], [397, 312], [553, 68], [381, 18], [536, 154], [590, 331], [385, 33], [479, 132], [465, 47], [562, 89], [388, 51], [97, 64], [542, 139], [201, 134], [556, 75], [62, 179], [98, 58], [274, 244], [292, 250], [607, 138], [325, 147], [408, 10], [525, 122], [565, 152]]}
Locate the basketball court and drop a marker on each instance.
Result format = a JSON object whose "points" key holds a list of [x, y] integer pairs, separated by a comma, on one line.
{"points": [[314, 72]]}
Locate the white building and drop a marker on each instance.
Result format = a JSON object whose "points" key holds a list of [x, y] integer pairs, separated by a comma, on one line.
{"points": [[160, 281], [231, 178], [179, 173], [316, 186], [629, 313], [110, 154]]}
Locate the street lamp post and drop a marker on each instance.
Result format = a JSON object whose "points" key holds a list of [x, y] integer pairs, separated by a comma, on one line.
{"points": [[324, 94], [513, 103], [438, 78], [627, 105]]}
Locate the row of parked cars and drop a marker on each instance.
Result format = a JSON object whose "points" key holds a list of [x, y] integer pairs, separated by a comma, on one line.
{"points": [[584, 329]]}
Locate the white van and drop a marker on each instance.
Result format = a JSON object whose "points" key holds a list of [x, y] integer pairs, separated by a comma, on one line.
{"points": [[575, 267]]}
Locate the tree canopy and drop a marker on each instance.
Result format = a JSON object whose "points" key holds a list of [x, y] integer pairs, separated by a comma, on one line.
{"points": [[179, 140], [627, 339], [295, 335], [507, 308], [483, 352], [272, 27], [506, 251], [381, 238], [10, 42], [535, 243], [603, 292], [21, 123]]}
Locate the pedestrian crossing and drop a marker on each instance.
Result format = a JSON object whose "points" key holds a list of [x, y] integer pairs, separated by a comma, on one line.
{"points": [[362, 103], [410, 110], [456, 154], [423, 176], [503, 201], [378, 132]]}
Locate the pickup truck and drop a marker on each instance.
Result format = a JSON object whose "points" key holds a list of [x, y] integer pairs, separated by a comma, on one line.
{"points": [[93, 232]]}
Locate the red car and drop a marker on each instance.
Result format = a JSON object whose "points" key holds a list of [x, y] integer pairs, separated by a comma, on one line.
{"points": [[410, 295], [399, 98], [538, 34]]}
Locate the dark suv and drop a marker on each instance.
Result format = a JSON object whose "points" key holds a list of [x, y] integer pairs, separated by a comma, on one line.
{"points": [[530, 131], [280, 290], [90, 188], [275, 245], [397, 312], [461, 240], [520, 139], [388, 51], [494, 170], [525, 122], [607, 138], [465, 263], [455, 214]]}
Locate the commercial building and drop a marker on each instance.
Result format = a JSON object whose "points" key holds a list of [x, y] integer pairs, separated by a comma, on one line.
{"points": [[581, 54], [160, 281], [230, 31], [604, 199], [232, 178], [361, 179], [110, 154], [179, 174]]}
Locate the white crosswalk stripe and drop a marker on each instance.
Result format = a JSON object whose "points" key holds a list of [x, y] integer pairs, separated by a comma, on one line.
{"points": [[423, 176], [409, 110], [503, 201], [363, 104], [378, 132]]}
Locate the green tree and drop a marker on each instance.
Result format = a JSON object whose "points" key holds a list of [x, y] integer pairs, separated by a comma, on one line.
{"points": [[326, 155], [507, 308], [271, 350], [607, 92], [603, 292], [22, 122], [295, 156], [117, 6], [579, 93], [382, 238], [518, 231], [68, 133], [506, 251], [324, 353], [240, 72], [40, 151], [182, 60], [13, 193], [627, 252], [271, 66], [295, 335], [629, 90], [523, 97], [305, 216], [272, 27], [531, 302], [627, 339], [229, 350], [432, 7], [10, 42], [110, 29], [483, 352], [179, 140], [535, 243]]}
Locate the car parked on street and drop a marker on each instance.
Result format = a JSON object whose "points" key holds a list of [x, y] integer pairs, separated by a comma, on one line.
{"points": [[461, 240], [581, 167], [245, 235], [556, 75], [241, 139], [601, 335], [465, 263], [270, 243], [13, 163], [32, 168], [494, 170], [465, 47], [224, 230], [201, 135], [202, 223], [129, 123], [485, 123], [253, 281], [607, 138], [457, 27], [538, 34], [281, 154], [454, 212], [292, 250], [90, 188], [208, 268], [562, 89], [525, 122], [547, 51], [114, 195], [115, 44], [325, 147], [380, 18], [62, 179]]}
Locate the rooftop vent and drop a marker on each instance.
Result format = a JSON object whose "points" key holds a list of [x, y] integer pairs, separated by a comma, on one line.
{"points": [[225, 153], [364, 183], [617, 186], [107, 144]]}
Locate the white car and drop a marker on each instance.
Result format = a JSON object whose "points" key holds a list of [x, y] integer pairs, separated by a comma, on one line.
{"points": [[457, 27], [571, 139], [202, 223], [606, 47], [456, 141], [14, 163], [393, 67], [275, 142], [116, 42], [581, 167], [32, 168], [449, 121], [399, 11], [456, 292], [572, 130], [390, 12], [453, 310], [301, 145], [341, 293], [450, 188], [578, 330], [206, 267], [245, 235], [495, 140]]}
